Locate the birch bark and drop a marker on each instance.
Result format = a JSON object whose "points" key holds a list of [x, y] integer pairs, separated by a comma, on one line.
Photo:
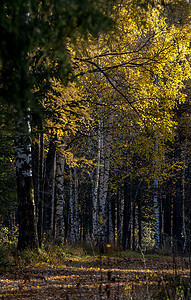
{"points": [[41, 189], [156, 202], [95, 189], [101, 229], [71, 204], [119, 216], [157, 215], [49, 189], [52, 224], [76, 205], [183, 203], [26, 205], [111, 235], [59, 218], [104, 177]]}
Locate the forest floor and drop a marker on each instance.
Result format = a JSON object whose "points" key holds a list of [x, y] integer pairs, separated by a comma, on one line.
{"points": [[98, 277]]}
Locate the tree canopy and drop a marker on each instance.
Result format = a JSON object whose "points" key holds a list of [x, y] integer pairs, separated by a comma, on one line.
{"points": [[98, 96]]}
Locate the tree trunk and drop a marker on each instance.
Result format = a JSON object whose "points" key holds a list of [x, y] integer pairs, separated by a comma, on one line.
{"points": [[95, 188], [119, 216], [59, 219], [53, 206], [157, 215], [41, 190], [76, 204], [71, 206], [156, 200], [177, 217], [49, 189], [167, 221], [26, 204], [183, 204], [126, 215], [110, 221], [101, 189], [35, 171], [104, 177], [140, 224], [134, 225]]}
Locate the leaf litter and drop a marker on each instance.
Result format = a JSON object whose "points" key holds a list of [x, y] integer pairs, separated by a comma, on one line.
{"points": [[93, 278]]}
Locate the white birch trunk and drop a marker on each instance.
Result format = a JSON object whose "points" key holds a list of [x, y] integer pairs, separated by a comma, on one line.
{"points": [[183, 204], [119, 217], [26, 205], [110, 223], [133, 208], [95, 191], [60, 197], [71, 203], [53, 198], [41, 189], [101, 187], [95, 186], [76, 204], [157, 215], [104, 163], [156, 203], [104, 175], [23, 149]]}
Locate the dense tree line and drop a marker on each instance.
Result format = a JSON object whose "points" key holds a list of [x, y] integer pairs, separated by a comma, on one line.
{"points": [[99, 123]]}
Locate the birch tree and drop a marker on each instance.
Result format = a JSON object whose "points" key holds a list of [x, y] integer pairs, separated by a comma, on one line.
{"points": [[156, 200], [96, 188], [106, 143], [26, 205], [71, 208], [59, 218], [49, 188], [76, 200]]}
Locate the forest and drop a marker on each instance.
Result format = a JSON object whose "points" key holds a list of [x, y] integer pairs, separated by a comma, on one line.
{"points": [[95, 140]]}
